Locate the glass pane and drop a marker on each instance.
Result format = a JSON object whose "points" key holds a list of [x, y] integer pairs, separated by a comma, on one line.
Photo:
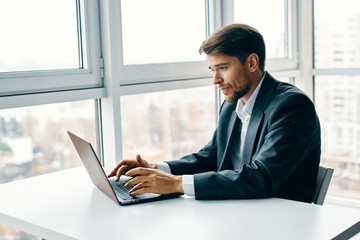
{"points": [[167, 125], [34, 141], [38, 35], [161, 31], [9, 233], [271, 24], [337, 34], [285, 79], [337, 101]]}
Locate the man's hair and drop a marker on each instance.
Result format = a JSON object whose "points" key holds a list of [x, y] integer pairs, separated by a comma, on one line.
{"points": [[236, 40]]}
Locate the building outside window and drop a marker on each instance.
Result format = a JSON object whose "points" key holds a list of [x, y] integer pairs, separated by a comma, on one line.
{"points": [[34, 141], [167, 125], [337, 91]]}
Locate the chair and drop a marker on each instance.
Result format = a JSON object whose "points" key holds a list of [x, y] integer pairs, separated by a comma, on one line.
{"points": [[322, 184]]}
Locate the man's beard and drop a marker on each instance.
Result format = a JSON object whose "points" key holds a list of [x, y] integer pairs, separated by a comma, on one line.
{"points": [[239, 94]]}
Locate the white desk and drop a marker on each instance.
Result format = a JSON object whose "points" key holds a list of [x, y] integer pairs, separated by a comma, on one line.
{"points": [[66, 205]]}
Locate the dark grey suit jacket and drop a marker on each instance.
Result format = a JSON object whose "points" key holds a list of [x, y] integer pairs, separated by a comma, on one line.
{"points": [[281, 150]]}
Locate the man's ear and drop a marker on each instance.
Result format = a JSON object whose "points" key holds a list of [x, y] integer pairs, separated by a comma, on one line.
{"points": [[253, 62]]}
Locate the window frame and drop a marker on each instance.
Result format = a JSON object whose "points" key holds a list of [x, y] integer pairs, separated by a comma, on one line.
{"points": [[159, 72], [276, 64], [44, 81], [313, 73], [103, 28]]}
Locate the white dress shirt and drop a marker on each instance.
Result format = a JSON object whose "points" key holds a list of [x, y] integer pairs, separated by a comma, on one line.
{"points": [[243, 110]]}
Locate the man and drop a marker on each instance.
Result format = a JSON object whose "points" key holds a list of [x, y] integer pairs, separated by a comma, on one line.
{"points": [[267, 143]]}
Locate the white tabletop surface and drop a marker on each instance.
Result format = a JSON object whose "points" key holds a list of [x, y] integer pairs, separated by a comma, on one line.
{"points": [[66, 205]]}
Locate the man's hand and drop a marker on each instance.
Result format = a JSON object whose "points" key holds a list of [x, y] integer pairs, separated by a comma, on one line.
{"points": [[148, 180], [125, 165]]}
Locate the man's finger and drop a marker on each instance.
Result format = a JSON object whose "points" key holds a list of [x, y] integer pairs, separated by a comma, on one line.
{"points": [[136, 181], [123, 169], [138, 171], [139, 189], [119, 165], [142, 162], [125, 162], [112, 173], [120, 172]]}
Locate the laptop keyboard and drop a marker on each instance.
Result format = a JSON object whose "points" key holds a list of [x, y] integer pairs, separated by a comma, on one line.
{"points": [[120, 190], [123, 192]]}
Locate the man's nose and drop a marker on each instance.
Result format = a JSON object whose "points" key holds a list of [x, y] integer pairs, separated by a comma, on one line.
{"points": [[217, 78]]}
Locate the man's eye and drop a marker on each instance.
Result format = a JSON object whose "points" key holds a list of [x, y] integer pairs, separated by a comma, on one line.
{"points": [[223, 68]]}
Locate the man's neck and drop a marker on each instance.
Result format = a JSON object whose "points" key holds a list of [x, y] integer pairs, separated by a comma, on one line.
{"points": [[256, 78]]}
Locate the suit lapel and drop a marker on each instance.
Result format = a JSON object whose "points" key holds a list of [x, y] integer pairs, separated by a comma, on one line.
{"points": [[257, 115], [234, 123]]}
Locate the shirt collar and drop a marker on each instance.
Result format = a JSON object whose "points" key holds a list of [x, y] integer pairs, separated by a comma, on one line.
{"points": [[244, 110]]}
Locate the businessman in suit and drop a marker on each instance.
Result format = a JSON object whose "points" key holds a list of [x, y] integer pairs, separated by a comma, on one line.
{"points": [[267, 143]]}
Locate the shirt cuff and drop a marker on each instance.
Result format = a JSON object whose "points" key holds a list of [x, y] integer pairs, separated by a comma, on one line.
{"points": [[163, 166], [188, 185]]}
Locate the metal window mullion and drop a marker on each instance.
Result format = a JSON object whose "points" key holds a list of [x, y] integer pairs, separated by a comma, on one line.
{"points": [[305, 40], [51, 97], [336, 71], [79, 33], [294, 32], [214, 15], [111, 132], [98, 130], [227, 12]]}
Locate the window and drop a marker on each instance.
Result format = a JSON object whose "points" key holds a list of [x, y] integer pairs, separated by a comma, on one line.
{"points": [[337, 91], [161, 44], [337, 39], [48, 46], [167, 125], [278, 29], [171, 31], [38, 39], [337, 101], [33, 140], [273, 29], [50, 54]]}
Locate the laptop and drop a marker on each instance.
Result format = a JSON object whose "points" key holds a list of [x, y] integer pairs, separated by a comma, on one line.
{"points": [[114, 190]]}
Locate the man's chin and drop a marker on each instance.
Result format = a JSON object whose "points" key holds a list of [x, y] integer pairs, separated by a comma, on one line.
{"points": [[236, 96], [230, 99], [233, 97]]}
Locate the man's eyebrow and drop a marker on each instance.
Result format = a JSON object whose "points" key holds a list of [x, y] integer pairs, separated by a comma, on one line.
{"points": [[219, 65]]}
